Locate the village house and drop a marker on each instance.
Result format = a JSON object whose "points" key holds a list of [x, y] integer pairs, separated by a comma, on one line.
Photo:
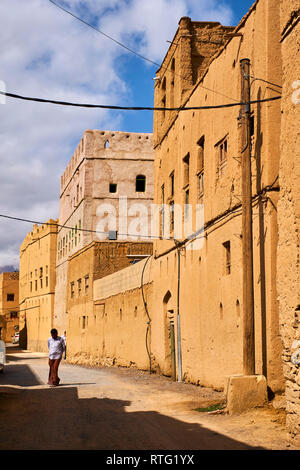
{"points": [[37, 285], [198, 156], [107, 182], [9, 305]]}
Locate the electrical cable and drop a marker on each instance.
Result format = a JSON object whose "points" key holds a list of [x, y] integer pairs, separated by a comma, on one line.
{"points": [[53, 224], [24, 310], [104, 34], [189, 240], [131, 50], [132, 108]]}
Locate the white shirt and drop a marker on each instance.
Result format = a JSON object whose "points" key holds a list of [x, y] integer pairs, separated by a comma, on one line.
{"points": [[56, 347]]}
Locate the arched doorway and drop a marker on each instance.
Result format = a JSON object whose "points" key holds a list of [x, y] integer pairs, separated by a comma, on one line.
{"points": [[169, 336]]}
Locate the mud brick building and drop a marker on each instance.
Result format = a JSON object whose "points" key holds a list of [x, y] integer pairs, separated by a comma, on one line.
{"points": [[110, 171], [198, 163], [37, 285], [9, 305]]}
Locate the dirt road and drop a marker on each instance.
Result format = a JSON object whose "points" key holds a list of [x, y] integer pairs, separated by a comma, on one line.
{"points": [[113, 408]]}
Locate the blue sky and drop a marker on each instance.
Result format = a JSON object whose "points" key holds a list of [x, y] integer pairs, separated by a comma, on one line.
{"points": [[141, 83], [47, 53]]}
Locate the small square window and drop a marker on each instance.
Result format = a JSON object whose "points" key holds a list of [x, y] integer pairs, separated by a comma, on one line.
{"points": [[140, 184], [10, 297], [112, 187]]}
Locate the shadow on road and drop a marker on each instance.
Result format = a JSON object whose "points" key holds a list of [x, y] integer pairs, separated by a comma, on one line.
{"points": [[58, 419], [12, 352], [19, 374]]}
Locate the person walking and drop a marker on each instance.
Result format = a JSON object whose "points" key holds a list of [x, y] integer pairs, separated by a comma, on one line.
{"points": [[56, 346]]}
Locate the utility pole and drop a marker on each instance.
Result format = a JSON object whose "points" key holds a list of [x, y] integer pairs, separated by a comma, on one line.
{"points": [[179, 357], [247, 231]]}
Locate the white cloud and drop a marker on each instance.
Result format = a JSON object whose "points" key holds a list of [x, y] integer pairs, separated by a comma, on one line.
{"points": [[47, 53]]}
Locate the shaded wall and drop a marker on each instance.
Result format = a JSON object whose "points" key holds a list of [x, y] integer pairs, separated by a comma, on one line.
{"points": [[288, 266]]}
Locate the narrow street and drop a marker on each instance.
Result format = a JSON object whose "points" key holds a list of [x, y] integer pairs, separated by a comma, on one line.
{"points": [[120, 409]]}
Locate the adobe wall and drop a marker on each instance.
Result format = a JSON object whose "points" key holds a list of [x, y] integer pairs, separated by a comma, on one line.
{"points": [[116, 321], [288, 266]]}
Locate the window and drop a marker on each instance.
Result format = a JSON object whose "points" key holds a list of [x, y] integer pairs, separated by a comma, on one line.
{"points": [[30, 286], [172, 83], [106, 145], [79, 287], [200, 169], [46, 281], [83, 325], [86, 285], [172, 216], [172, 184], [200, 178], [10, 297], [163, 100], [13, 315], [72, 290], [112, 235], [35, 284], [41, 269], [227, 251], [186, 203], [186, 170], [200, 155], [41, 281], [112, 188], [222, 149], [140, 184]]}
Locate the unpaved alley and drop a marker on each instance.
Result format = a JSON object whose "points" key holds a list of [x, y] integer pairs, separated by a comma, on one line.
{"points": [[120, 409]]}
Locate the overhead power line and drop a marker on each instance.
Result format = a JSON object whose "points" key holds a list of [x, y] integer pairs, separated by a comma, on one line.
{"points": [[160, 66], [131, 108], [77, 229], [104, 34]]}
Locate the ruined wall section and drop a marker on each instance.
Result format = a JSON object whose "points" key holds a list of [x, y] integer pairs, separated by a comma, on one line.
{"points": [[193, 48]]}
